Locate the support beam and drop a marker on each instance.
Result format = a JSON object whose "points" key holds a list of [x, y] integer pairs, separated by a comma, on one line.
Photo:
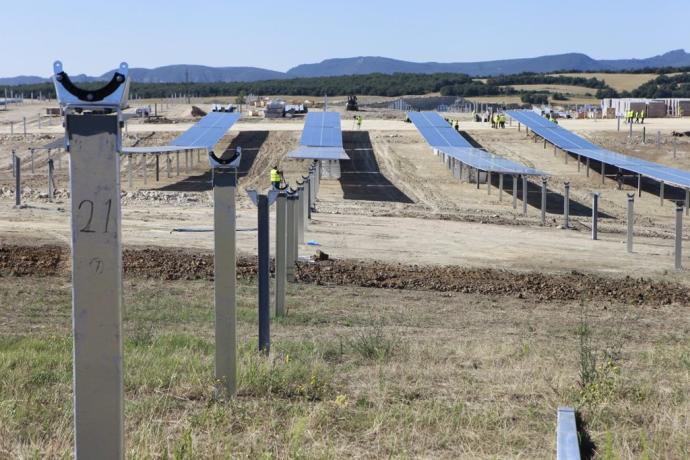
{"points": [[566, 205], [543, 200], [567, 446], [525, 186], [500, 187], [679, 236], [514, 191], [18, 181], [631, 218], [661, 193]]}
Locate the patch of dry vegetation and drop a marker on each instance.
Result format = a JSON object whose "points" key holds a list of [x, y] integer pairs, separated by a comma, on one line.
{"points": [[357, 372]]}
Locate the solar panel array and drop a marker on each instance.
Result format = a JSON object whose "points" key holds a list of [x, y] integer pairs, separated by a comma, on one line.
{"points": [[440, 135], [207, 132], [322, 129], [321, 138], [571, 142]]}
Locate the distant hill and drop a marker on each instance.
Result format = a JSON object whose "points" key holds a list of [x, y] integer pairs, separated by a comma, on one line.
{"points": [[372, 64]]}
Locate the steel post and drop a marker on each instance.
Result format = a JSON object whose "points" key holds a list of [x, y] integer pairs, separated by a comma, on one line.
{"points": [[679, 236], [145, 172], [661, 193], [514, 191], [579, 161], [525, 184], [603, 172], [177, 163], [500, 187], [301, 198], [543, 201], [291, 242], [263, 275], [129, 172], [631, 218], [18, 181], [32, 161], [687, 202], [12, 162], [595, 214], [281, 256], [587, 167], [566, 205], [488, 182], [96, 286], [51, 168], [224, 280], [168, 165], [157, 167]]}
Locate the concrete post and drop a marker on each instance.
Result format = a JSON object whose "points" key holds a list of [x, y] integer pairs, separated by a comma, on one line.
{"points": [[281, 256], [543, 200], [18, 181], [679, 236], [595, 214], [566, 205], [631, 218], [524, 194], [96, 286], [51, 168], [224, 279]]}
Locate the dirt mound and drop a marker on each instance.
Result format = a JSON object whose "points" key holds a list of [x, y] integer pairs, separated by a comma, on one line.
{"points": [[171, 264]]}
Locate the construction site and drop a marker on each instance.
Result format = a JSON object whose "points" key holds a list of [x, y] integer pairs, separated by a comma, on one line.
{"points": [[418, 284]]}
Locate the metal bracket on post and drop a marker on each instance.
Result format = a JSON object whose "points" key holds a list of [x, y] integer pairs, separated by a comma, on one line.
{"points": [[92, 125], [631, 217], [225, 267], [263, 203]]}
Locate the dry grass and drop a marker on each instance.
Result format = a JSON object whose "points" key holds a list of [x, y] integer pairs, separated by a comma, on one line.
{"points": [[356, 373], [618, 81], [564, 89]]}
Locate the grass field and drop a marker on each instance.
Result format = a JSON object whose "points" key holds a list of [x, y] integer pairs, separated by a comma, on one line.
{"points": [[618, 81], [357, 372]]}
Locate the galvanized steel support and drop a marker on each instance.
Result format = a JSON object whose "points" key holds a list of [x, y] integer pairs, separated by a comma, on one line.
{"points": [[524, 194], [679, 236], [543, 200], [595, 214], [631, 219], [566, 205], [281, 255]]}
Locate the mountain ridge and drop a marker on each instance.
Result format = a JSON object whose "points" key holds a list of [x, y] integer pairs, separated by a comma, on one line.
{"points": [[362, 65]]}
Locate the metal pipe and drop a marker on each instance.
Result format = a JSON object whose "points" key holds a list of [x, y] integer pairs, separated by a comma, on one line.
{"points": [[514, 191], [157, 167], [661, 193], [500, 187], [51, 168]]}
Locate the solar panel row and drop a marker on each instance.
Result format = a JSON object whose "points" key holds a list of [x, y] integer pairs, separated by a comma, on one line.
{"points": [[441, 136], [569, 141], [322, 138], [207, 132]]}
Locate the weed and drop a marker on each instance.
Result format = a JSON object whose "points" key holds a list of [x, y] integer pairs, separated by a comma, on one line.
{"points": [[373, 344]]}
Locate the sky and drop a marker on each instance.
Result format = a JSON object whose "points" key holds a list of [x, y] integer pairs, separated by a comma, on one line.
{"points": [[93, 36]]}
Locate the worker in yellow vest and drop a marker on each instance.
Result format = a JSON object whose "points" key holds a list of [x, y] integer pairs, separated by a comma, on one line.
{"points": [[276, 177], [502, 120], [642, 115]]}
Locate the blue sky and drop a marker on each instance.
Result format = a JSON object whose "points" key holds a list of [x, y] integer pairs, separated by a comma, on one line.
{"points": [[94, 36]]}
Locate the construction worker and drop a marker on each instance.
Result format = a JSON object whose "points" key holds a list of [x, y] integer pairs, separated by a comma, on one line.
{"points": [[276, 177], [502, 120], [642, 115], [457, 126], [359, 122], [637, 117]]}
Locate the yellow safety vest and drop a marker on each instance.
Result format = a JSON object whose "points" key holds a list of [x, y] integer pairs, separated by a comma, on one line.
{"points": [[275, 177]]}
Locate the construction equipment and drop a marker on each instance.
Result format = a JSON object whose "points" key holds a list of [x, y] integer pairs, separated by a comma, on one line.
{"points": [[352, 105]]}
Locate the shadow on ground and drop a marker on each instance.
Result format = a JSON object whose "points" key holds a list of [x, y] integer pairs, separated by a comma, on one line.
{"points": [[250, 141], [361, 178]]}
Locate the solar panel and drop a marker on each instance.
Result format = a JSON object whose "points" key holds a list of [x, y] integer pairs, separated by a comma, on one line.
{"points": [[322, 129], [154, 149], [305, 152], [437, 131], [207, 132], [571, 142], [441, 136]]}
